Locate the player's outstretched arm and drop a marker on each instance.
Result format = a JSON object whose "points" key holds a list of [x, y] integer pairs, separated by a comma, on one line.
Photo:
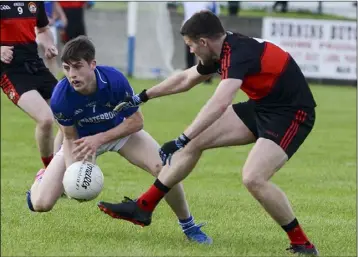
{"points": [[215, 107], [211, 111], [177, 83]]}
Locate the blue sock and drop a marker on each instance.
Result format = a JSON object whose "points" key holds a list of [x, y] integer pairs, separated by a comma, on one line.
{"points": [[187, 223]]}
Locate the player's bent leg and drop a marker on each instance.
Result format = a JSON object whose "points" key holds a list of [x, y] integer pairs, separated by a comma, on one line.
{"points": [[58, 138], [36, 107], [228, 130], [265, 158], [142, 150], [58, 141], [48, 188]]}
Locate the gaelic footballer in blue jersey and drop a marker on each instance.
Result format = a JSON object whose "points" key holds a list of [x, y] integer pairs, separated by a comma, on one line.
{"points": [[83, 104]]}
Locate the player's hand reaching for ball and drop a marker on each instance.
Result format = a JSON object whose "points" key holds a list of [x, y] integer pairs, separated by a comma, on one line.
{"points": [[7, 54], [168, 149], [86, 147], [51, 51], [132, 101]]}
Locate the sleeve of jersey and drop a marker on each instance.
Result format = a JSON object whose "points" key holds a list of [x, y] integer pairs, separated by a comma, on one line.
{"points": [[61, 114], [42, 20], [206, 70], [239, 63]]}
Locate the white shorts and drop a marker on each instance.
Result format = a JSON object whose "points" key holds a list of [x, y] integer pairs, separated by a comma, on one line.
{"points": [[113, 146], [53, 30]]}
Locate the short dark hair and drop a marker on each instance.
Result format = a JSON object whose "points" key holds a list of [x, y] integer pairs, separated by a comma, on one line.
{"points": [[78, 48], [202, 24]]}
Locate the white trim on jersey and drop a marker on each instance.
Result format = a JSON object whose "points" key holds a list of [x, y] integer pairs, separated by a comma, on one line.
{"points": [[99, 75]]}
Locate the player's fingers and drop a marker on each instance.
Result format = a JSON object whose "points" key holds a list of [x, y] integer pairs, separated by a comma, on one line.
{"points": [[90, 156], [93, 159], [84, 159], [54, 51], [5, 60], [78, 141], [82, 155], [47, 54], [170, 159], [7, 55], [164, 159], [78, 148], [85, 151]]}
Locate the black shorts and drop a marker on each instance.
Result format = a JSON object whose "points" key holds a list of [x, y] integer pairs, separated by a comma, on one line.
{"points": [[288, 127], [20, 79], [76, 24]]}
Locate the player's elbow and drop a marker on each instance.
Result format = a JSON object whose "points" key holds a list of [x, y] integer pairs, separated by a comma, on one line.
{"points": [[221, 106], [185, 86], [223, 102], [40, 30]]}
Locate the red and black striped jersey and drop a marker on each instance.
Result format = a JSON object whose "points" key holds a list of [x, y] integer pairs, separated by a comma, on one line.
{"points": [[269, 74], [17, 24], [72, 4]]}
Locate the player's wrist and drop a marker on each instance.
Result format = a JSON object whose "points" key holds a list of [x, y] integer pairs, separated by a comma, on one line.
{"points": [[143, 96], [184, 139], [102, 138]]}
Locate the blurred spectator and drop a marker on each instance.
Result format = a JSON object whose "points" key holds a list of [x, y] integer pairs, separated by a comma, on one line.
{"points": [[172, 6], [233, 8], [284, 6], [74, 11], [57, 20]]}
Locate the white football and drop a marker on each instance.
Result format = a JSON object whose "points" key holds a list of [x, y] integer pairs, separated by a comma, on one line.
{"points": [[83, 181]]}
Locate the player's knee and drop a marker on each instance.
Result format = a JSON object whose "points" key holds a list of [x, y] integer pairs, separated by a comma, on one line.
{"points": [[195, 146], [252, 180], [45, 122], [42, 204], [155, 169]]}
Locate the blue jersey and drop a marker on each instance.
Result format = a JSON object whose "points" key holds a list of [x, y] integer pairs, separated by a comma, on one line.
{"points": [[92, 114]]}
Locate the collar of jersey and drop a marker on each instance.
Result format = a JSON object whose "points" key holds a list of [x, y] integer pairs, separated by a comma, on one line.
{"points": [[224, 46], [101, 82]]}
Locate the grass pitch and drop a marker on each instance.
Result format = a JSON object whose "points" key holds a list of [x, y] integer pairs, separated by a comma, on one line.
{"points": [[320, 181]]}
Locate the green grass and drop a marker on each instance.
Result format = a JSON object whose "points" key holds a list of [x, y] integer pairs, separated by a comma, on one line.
{"points": [[320, 181], [122, 6]]}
